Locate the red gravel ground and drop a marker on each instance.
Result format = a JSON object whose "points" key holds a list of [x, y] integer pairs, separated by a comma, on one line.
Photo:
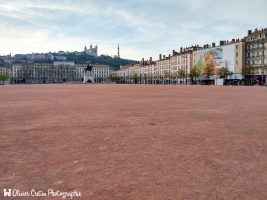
{"points": [[135, 141]]}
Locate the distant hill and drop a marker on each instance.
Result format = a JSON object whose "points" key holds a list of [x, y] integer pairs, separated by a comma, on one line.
{"points": [[106, 60]]}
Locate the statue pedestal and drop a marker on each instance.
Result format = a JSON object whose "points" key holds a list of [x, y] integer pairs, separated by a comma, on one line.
{"points": [[88, 78]]}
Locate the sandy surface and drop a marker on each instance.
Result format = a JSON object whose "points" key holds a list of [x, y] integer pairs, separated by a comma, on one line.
{"points": [[135, 141]]}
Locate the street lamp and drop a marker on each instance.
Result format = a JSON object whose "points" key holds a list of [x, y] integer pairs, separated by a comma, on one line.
{"points": [[262, 76], [186, 74]]}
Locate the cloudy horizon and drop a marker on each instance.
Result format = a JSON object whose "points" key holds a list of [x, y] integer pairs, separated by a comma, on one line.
{"points": [[142, 28]]}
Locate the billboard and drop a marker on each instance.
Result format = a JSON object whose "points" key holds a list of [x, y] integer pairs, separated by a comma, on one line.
{"points": [[219, 57]]}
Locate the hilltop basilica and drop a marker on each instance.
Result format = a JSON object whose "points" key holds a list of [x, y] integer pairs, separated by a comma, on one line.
{"points": [[92, 51]]}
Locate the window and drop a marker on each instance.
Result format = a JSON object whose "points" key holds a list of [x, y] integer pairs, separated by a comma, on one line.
{"points": [[236, 46]]}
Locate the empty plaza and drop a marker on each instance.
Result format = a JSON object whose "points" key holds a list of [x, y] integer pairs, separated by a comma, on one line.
{"points": [[135, 141]]}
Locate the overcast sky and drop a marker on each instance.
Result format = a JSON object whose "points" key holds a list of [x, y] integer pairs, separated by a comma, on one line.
{"points": [[143, 28]]}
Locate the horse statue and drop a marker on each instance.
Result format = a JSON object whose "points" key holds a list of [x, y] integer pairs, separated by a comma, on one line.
{"points": [[89, 68]]}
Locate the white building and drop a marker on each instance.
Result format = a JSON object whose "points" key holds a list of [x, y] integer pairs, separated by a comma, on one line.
{"points": [[101, 72], [25, 72], [92, 51]]}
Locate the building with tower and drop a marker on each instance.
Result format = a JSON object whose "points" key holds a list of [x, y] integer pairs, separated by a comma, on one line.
{"points": [[92, 51]]}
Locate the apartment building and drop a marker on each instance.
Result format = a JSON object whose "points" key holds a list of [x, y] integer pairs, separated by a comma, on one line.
{"points": [[256, 54], [147, 71], [180, 64], [162, 69]]}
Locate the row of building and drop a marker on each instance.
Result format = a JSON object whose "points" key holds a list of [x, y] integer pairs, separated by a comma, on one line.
{"points": [[57, 72], [245, 58]]}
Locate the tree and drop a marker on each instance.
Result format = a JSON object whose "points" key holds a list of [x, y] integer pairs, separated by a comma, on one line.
{"points": [[145, 78], [115, 78], [136, 78], [166, 76], [225, 72], [173, 76], [181, 74], [209, 70], [3, 77], [247, 71], [193, 74]]}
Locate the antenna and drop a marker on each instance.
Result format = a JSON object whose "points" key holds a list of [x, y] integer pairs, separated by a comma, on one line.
{"points": [[118, 50]]}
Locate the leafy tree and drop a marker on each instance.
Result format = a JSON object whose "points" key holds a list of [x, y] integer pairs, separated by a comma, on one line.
{"points": [[247, 71], [225, 72], [209, 70], [193, 74], [115, 78], [3, 77]]}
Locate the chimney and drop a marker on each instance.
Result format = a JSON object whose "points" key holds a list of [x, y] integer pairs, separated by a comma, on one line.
{"points": [[181, 49], [160, 56], [213, 44], [249, 32], [233, 40], [169, 55], [173, 52], [164, 57], [150, 59], [221, 42]]}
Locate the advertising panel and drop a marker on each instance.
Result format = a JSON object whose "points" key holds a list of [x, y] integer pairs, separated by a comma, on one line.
{"points": [[218, 57]]}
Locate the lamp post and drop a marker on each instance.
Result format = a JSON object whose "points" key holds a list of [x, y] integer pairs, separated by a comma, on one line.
{"points": [[186, 74], [262, 75]]}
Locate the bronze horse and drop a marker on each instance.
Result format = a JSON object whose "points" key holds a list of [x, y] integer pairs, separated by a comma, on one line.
{"points": [[89, 68]]}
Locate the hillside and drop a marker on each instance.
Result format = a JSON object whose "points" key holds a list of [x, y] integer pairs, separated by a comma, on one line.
{"points": [[107, 60]]}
